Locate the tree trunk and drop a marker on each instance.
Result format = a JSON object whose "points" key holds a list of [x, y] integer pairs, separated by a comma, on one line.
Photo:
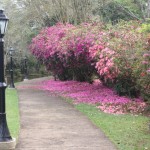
{"points": [[148, 9]]}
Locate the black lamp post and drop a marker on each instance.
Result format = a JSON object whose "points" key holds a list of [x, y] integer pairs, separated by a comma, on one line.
{"points": [[11, 50], [4, 131], [25, 69]]}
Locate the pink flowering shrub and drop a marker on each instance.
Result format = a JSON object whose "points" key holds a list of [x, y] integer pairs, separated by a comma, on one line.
{"points": [[64, 49], [117, 53], [144, 81], [88, 50], [128, 48], [46, 48], [75, 48]]}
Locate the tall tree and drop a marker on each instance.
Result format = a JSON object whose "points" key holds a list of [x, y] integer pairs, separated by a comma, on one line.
{"points": [[148, 8]]}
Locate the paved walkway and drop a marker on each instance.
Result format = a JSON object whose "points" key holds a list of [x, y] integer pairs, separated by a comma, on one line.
{"points": [[50, 123]]}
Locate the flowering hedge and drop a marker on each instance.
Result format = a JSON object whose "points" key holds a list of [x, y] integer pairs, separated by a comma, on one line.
{"points": [[64, 49], [114, 54]]}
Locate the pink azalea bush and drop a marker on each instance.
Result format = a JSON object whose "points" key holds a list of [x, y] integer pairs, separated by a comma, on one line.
{"points": [[118, 56], [89, 50], [144, 81], [64, 51], [46, 47], [128, 48]]}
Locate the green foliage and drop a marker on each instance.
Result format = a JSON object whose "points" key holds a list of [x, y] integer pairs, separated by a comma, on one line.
{"points": [[50, 21], [143, 81], [125, 83], [34, 68], [136, 9], [126, 87], [32, 34], [145, 27], [112, 12]]}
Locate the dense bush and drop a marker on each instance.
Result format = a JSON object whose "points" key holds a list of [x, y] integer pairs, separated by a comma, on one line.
{"points": [[144, 82], [113, 53], [126, 41], [64, 49], [118, 55]]}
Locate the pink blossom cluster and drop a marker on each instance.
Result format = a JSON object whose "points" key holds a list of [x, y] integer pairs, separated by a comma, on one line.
{"points": [[105, 66], [105, 98], [46, 43]]}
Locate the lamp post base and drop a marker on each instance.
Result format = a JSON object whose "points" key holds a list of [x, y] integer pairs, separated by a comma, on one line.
{"points": [[8, 145], [6, 141]]}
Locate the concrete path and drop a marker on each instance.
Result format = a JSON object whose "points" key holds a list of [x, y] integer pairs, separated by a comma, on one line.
{"points": [[50, 123]]}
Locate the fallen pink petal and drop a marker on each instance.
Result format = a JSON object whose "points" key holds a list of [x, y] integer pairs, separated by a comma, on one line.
{"points": [[105, 98]]}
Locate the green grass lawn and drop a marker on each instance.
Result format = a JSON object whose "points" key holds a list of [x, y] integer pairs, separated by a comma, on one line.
{"points": [[128, 132], [12, 112]]}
